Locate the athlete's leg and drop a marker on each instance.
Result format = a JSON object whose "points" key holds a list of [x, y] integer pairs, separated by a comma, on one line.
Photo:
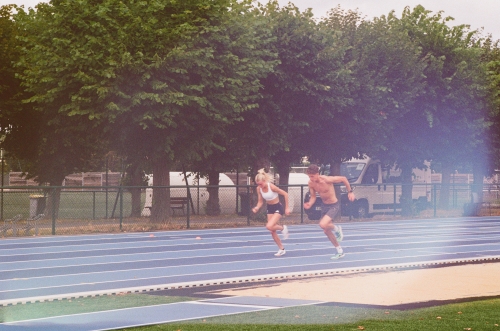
{"points": [[272, 225], [327, 225]]}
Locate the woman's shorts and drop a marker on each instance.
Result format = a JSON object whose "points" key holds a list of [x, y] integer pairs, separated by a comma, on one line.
{"points": [[276, 208]]}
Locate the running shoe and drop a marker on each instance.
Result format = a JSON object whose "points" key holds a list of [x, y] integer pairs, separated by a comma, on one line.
{"points": [[280, 252], [337, 256], [339, 234], [285, 232]]}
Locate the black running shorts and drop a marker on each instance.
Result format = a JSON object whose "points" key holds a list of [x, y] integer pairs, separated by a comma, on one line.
{"points": [[276, 208]]}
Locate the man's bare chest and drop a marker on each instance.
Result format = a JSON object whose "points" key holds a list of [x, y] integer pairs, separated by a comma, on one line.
{"points": [[322, 187]]}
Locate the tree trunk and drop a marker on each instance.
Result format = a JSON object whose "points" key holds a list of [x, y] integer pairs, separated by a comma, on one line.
{"points": [[283, 171], [136, 180], [444, 193], [53, 200], [160, 210], [406, 200], [213, 206]]}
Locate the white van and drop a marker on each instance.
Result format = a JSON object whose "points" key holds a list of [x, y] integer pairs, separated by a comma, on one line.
{"points": [[378, 189], [199, 195], [295, 192]]}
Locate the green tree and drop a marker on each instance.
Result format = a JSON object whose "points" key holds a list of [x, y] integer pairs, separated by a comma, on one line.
{"points": [[386, 77], [224, 65], [10, 87], [162, 78], [292, 93], [491, 58], [51, 145], [305, 88], [229, 157], [17, 120], [449, 115]]}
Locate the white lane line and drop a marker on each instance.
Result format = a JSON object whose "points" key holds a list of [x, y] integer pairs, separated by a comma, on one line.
{"points": [[242, 279], [166, 243], [261, 249], [298, 263], [196, 243], [231, 304], [162, 314], [83, 239], [432, 222]]}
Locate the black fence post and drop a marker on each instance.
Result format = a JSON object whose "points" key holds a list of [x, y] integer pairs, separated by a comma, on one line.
{"points": [[434, 199], [198, 195], [107, 170], [188, 209], [249, 205], [93, 205], [54, 210], [395, 198], [301, 204], [237, 199], [121, 208]]}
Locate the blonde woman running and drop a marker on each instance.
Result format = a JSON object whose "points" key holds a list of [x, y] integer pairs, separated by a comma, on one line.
{"points": [[266, 190]]}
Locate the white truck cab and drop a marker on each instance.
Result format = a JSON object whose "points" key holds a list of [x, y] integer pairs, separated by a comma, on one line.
{"points": [[378, 188]]}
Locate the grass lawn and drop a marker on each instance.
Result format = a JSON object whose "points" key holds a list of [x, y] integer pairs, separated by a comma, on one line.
{"points": [[477, 315], [37, 310], [73, 205]]}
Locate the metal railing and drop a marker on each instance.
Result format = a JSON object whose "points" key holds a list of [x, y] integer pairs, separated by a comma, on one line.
{"points": [[119, 208]]}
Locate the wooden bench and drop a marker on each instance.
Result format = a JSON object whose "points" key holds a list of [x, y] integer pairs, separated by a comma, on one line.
{"points": [[10, 224], [31, 223], [176, 203]]}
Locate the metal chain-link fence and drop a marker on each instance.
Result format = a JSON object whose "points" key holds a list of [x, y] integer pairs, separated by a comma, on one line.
{"points": [[31, 210]]}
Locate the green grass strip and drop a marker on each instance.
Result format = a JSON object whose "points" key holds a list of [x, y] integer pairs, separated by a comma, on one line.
{"points": [[482, 315], [37, 310]]}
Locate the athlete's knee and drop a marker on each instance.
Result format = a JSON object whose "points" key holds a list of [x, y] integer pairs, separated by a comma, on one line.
{"points": [[324, 226], [270, 227]]}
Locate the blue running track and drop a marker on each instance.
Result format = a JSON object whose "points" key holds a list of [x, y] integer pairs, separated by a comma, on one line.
{"points": [[50, 268]]}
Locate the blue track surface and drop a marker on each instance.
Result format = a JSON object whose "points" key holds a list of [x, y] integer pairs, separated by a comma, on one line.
{"points": [[160, 314], [48, 268]]}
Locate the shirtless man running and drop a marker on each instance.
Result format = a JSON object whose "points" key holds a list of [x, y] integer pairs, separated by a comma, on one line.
{"points": [[323, 185]]}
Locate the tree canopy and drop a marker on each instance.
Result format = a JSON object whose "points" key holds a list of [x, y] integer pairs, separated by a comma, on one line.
{"points": [[219, 84]]}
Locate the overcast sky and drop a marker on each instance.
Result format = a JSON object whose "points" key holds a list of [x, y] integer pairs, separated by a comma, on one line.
{"points": [[477, 13]]}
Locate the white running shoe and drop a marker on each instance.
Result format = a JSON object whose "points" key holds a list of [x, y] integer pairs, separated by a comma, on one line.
{"points": [[280, 252], [337, 256], [339, 234], [285, 232]]}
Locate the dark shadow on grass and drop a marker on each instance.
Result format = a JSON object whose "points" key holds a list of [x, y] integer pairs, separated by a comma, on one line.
{"points": [[407, 306]]}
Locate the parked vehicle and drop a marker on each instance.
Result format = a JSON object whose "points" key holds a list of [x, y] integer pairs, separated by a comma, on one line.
{"points": [[199, 193], [378, 188], [295, 192]]}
